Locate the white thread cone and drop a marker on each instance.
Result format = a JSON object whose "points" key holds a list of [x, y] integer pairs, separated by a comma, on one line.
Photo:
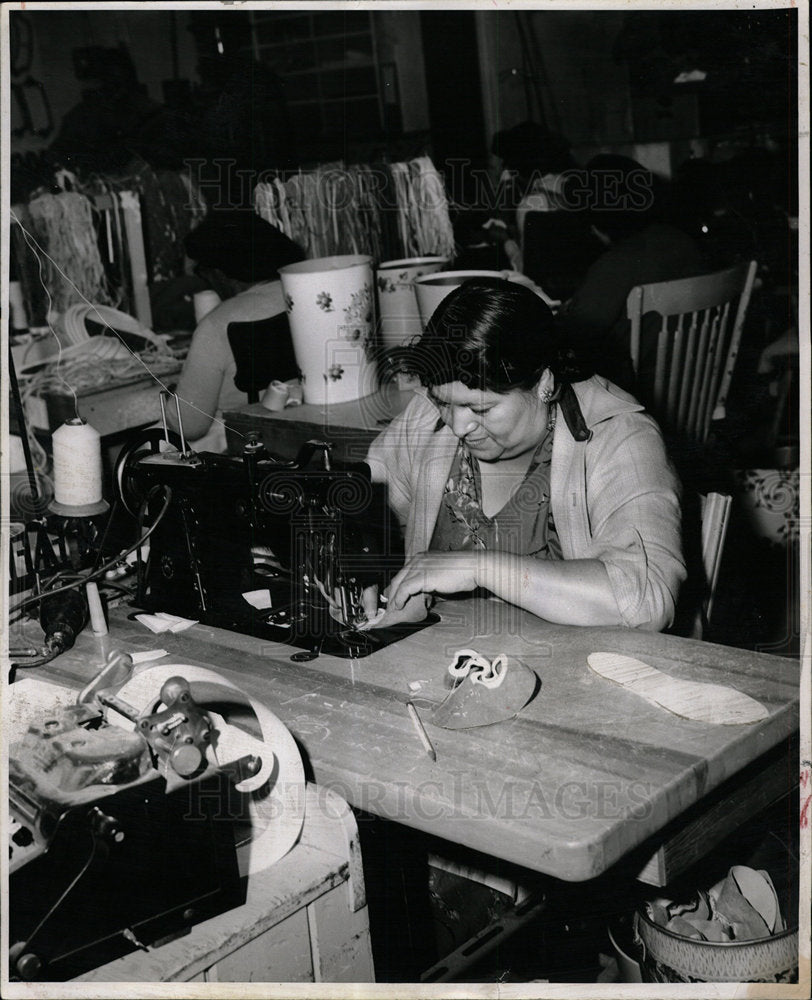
{"points": [[77, 464]]}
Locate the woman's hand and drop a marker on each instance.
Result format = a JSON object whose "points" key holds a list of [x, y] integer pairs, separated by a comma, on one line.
{"points": [[414, 610], [433, 572]]}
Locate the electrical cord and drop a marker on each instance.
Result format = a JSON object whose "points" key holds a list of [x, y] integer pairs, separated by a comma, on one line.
{"points": [[140, 570], [36, 598], [40, 661], [110, 520]]}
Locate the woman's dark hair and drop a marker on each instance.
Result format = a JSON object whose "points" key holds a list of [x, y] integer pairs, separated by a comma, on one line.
{"points": [[242, 245], [491, 334]]}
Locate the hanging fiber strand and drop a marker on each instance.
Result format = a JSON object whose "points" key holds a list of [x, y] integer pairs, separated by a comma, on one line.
{"points": [[400, 181], [66, 228], [337, 210], [434, 232]]}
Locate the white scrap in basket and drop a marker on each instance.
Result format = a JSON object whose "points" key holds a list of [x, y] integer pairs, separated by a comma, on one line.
{"points": [[713, 703]]}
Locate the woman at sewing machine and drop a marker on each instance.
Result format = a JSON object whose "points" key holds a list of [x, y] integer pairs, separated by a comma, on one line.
{"points": [[239, 255], [517, 471]]}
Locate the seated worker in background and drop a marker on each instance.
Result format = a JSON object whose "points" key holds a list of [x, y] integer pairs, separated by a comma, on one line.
{"points": [[625, 207], [538, 225], [519, 473], [534, 165], [239, 255]]}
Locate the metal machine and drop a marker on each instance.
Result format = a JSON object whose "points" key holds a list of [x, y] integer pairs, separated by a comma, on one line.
{"points": [[136, 814], [308, 536]]}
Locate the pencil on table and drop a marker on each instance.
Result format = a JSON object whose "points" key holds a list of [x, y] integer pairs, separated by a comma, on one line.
{"points": [[421, 732]]}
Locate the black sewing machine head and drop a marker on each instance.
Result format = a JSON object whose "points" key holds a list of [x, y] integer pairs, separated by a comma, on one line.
{"points": [[279, 550]]}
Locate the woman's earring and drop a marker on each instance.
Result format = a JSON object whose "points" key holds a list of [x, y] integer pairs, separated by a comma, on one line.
{"points": [[545, 395]]}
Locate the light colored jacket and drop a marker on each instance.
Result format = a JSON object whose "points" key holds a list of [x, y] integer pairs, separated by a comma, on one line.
{"points": [[614, 498]]}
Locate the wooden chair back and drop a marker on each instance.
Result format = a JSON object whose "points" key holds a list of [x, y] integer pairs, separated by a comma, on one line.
{"points": [[700, 327]]}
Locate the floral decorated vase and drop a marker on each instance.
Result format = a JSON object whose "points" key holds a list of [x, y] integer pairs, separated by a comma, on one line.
{"points": [[330, 303], [399, 313]]}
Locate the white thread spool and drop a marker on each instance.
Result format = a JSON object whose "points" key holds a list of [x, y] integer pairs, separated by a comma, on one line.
{"points": [[16, 306], [16, 454], [276, 396], [77, 464]]}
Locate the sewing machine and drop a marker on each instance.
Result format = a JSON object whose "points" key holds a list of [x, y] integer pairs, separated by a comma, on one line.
{"points": [[136, 811], [278, 550]]}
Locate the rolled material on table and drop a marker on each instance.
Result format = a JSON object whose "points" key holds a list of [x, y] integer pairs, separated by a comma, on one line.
{"points": [[276, 396]]}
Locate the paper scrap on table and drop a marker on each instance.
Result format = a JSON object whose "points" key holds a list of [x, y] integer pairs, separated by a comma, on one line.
{"points": [[696, 700], [259, 599], [164, 622], [147, 655]]}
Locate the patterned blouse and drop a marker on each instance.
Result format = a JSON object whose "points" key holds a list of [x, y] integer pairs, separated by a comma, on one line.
{"points": [[524, 526]]}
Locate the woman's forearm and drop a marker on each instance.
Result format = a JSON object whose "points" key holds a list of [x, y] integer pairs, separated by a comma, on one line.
{"points": [[198, 391], [568, 592]]}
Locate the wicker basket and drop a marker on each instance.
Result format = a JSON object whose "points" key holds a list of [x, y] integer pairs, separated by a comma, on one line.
{"points": [[672, 958]]}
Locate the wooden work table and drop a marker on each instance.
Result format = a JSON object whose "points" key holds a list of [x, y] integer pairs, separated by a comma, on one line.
{"points": [[121, 406], [586, 775], [350, 427]]}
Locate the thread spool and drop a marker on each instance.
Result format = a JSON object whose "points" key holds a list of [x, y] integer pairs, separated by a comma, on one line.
{"points": [[77, 469], [276, 396], [16, 454], [16, 306], [204, 302]]}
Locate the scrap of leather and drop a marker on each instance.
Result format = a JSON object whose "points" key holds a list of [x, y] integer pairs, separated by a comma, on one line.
{"points": [[487, 691]]}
